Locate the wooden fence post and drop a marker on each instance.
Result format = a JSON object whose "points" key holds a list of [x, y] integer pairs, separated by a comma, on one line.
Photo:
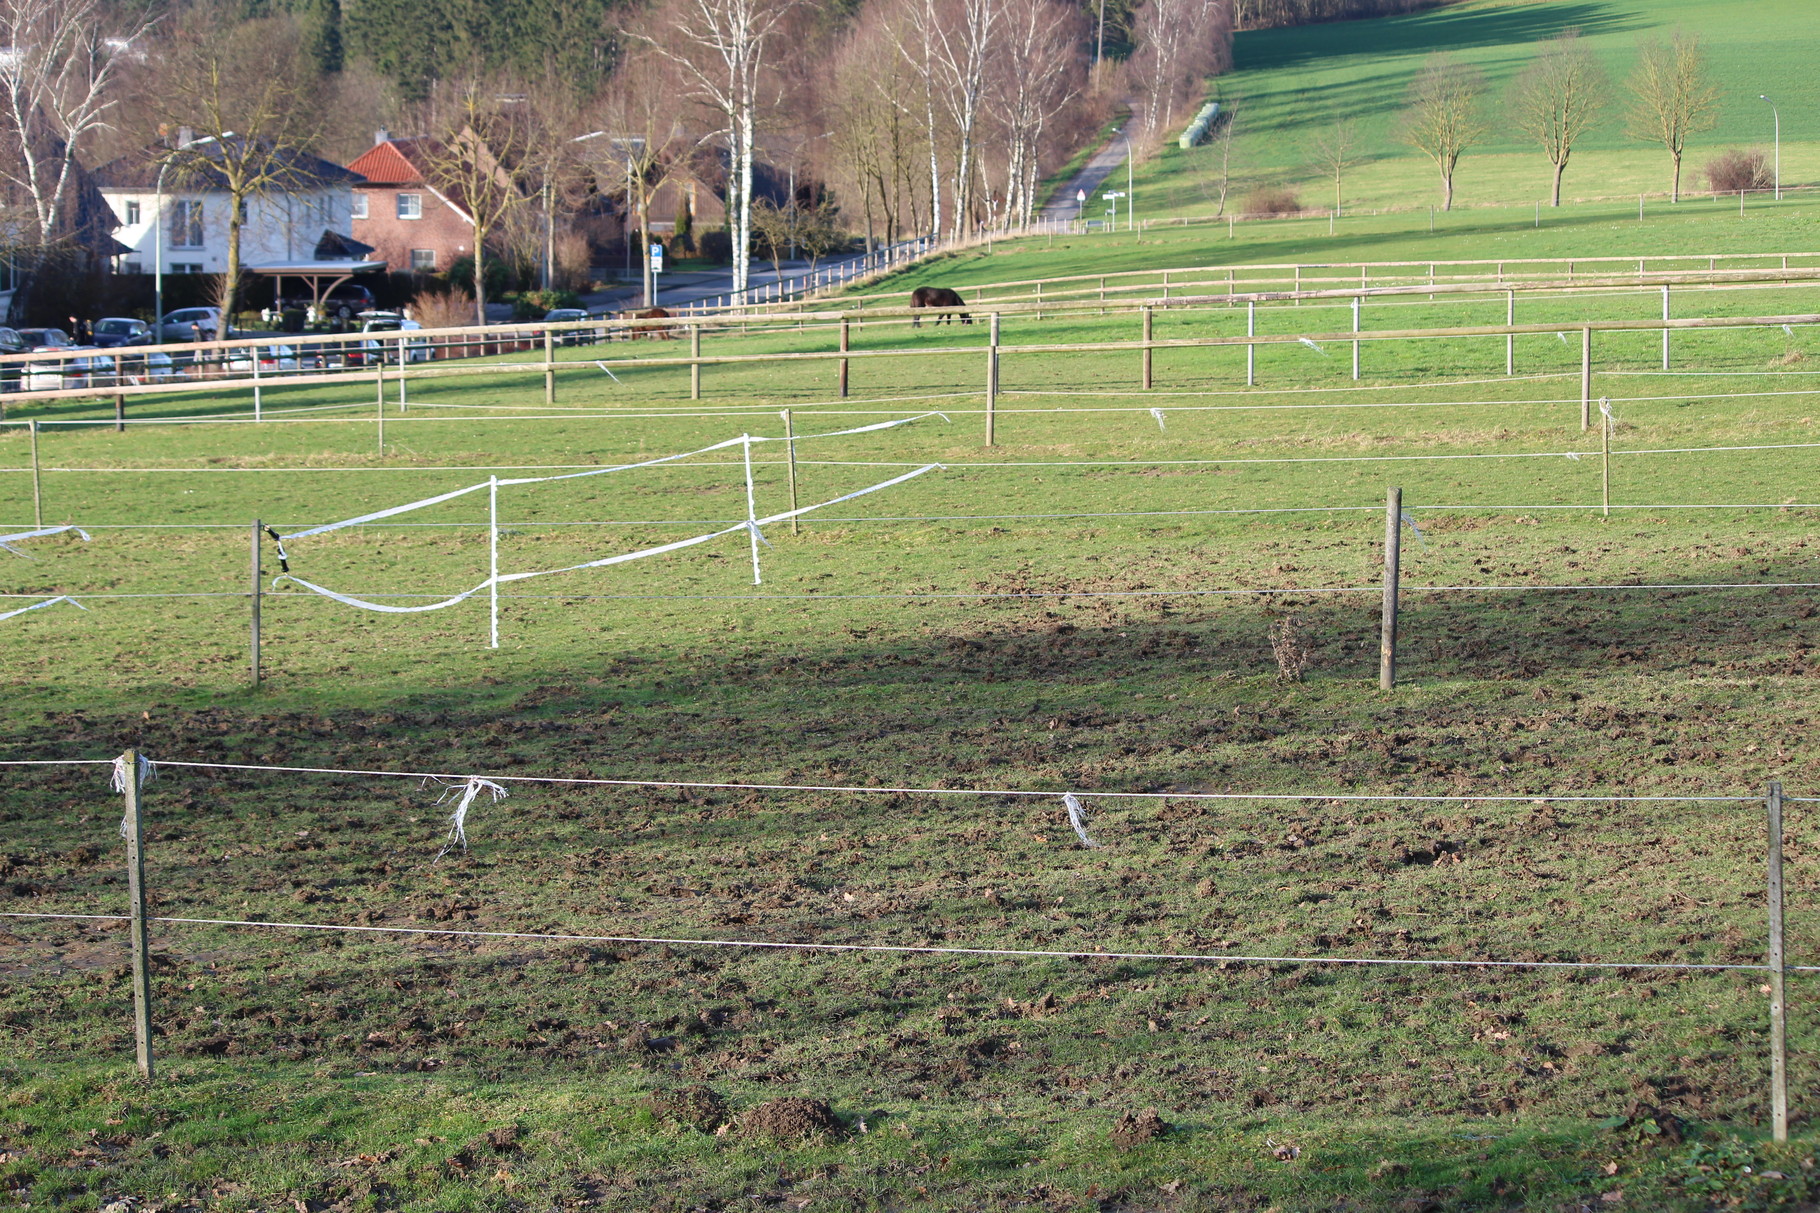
{"points": [[790, 451], [1510, 339], [134, 833], [1393, 561], [695, 362], [119, 413], [1665, 331], [1778, 972], [549, 367], [1585, 378], [846, 343]]}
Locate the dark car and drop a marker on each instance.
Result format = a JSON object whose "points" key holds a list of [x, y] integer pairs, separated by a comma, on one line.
{"points": [[11, 343], [121, 330], [46, 339], [344, 302]]}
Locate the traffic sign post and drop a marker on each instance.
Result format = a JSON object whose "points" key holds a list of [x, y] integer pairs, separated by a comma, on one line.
{"points": [[657, 267]]}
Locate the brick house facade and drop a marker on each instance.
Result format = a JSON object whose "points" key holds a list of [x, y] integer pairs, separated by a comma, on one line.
{"points": [[410, 225]]}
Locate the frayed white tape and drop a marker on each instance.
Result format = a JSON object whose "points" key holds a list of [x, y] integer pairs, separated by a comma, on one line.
{"points": [[7, 541], [1309, 342], [39, 606], [1077, 818], [609, 370], [466, 789], [1411, 524], [148, 771], [1158, 414]]}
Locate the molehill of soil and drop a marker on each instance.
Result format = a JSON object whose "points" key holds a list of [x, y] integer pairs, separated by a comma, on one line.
{"points": [[789, 1118], [1132, 1131]]}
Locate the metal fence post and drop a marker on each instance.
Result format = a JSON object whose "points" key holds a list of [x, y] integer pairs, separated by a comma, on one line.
{"points": [[1605, 423], [37, 482], [1393, 562], [132, 830], [1356, 301], [1778, 971], [1147, 350], [1510, 339], [257, 590], [1665, 331], [992, 384], [1251, 349]]}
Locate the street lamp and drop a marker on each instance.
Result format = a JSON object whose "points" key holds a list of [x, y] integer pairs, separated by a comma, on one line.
{"points": [[1778, 117], [158, 238]]}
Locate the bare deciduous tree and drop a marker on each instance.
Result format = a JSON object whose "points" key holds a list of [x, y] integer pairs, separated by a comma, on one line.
{"points": [[1560, 96], [1442, 117], [56, 78], [1035, 76], [1216, 161], [1334, 148], [248, 90], [475, 152], [1179, 44], [640, 137], [721, 48], [1670, 97]]}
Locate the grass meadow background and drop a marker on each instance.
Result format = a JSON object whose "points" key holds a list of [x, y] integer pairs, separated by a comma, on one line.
{"points": [[1051, 614]]}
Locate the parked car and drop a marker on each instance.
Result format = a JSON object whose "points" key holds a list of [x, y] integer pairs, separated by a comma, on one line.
{"points": [[115, 331], [11, 343], [183, 324], [39, 340], [273, 359], [45, 375], [346, 301], [569, 315], [417, 349]]}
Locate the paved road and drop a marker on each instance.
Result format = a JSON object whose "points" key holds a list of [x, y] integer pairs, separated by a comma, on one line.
{"points": [[1065, 204], [696, 286]]}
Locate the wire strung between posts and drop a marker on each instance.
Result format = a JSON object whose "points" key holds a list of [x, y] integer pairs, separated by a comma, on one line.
{"points": [[931, 950], [1535, 798], [463, 792]]}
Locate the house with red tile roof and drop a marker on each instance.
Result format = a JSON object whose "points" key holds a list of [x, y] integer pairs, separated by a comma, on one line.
{"points": [[411, 224]]}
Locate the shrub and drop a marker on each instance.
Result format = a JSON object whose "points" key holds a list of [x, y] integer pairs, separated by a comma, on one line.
{"points": [[531, 305], [443, 309], [1736, 169], [716, 245], [1272, 200]]}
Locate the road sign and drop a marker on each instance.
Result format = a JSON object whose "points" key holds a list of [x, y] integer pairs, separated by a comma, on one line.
{"points": [[1080, 195], [657, 258]]}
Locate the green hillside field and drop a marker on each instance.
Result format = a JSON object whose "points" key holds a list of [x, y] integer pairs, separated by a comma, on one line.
{"points": [[1286, 83]]}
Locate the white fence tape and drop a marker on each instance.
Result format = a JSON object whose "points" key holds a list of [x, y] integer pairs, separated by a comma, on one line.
{"points": [[7, 541], [39, 606]]}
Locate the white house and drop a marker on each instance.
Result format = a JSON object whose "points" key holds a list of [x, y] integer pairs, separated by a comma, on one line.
{"points": [[306, 220]]}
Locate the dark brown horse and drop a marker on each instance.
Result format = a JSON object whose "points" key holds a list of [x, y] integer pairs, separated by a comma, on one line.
{"points": [[665, 331], [938, 297]]}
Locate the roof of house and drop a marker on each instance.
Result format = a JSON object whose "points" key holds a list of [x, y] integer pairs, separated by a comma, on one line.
{"points": [[394, 162], [139, 170]]}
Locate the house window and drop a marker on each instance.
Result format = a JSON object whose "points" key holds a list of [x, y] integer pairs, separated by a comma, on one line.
{"points": [[132, 213], [135, 267], [423, 260], [186, 224], [360, 206], [410, 206]]}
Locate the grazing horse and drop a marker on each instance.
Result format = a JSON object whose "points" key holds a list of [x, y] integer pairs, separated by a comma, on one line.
{"points": [[938, 297], [665, 331]]}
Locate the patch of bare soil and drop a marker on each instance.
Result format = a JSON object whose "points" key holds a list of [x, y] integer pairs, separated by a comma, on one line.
{"points": [[697, 1107], [789, 1118]]}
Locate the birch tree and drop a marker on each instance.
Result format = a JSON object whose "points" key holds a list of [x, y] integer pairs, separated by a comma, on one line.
{"points": [[964, 34], [1671, 97], [1037, 74], [721, 48], [56, 78], [1560, 96]]}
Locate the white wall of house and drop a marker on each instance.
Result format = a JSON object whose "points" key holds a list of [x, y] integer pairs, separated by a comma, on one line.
{"points": [[280, 227]]}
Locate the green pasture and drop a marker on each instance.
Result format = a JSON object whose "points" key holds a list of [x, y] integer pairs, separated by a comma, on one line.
{"points": [[1289, 83], [1040, 615]]}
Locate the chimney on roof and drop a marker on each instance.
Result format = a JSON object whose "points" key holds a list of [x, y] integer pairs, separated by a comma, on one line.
{"points": [[380, 136], [185, 136]]}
